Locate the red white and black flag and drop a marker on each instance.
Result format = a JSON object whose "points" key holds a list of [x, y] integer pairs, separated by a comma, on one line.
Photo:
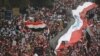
{"points": [[38, 25], [74, 32]]}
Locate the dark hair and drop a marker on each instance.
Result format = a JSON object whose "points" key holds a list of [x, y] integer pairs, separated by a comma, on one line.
{"points": [[90, 14], [97, 2]]}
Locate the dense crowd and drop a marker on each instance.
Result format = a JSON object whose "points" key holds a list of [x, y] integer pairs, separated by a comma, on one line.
{"points": [[16, 40]]}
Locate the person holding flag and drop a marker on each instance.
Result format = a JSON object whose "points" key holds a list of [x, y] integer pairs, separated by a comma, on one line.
{"points": [[73, 33]]}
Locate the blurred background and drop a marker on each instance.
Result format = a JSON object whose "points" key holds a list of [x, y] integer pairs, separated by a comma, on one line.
{"points": [[17, 40]]}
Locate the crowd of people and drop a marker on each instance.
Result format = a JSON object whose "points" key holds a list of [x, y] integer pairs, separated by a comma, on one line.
{"points": [[16, 40]]}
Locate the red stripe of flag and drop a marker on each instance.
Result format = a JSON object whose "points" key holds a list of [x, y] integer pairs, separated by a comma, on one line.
{"points": [[77, 35]]}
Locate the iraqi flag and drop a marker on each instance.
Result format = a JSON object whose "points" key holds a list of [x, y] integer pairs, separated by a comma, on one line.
{"points": [[36, 26], [73, 32]]}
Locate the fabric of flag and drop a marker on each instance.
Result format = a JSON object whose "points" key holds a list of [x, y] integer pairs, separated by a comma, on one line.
{"points": [[74, 33], [38, 25]]}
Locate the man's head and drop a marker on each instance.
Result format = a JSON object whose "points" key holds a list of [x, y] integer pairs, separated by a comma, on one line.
{"points": [[90, 14], [97, 2]]}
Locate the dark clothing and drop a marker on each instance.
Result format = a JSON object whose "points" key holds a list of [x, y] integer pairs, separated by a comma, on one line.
{"points": [[38, 50]]}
